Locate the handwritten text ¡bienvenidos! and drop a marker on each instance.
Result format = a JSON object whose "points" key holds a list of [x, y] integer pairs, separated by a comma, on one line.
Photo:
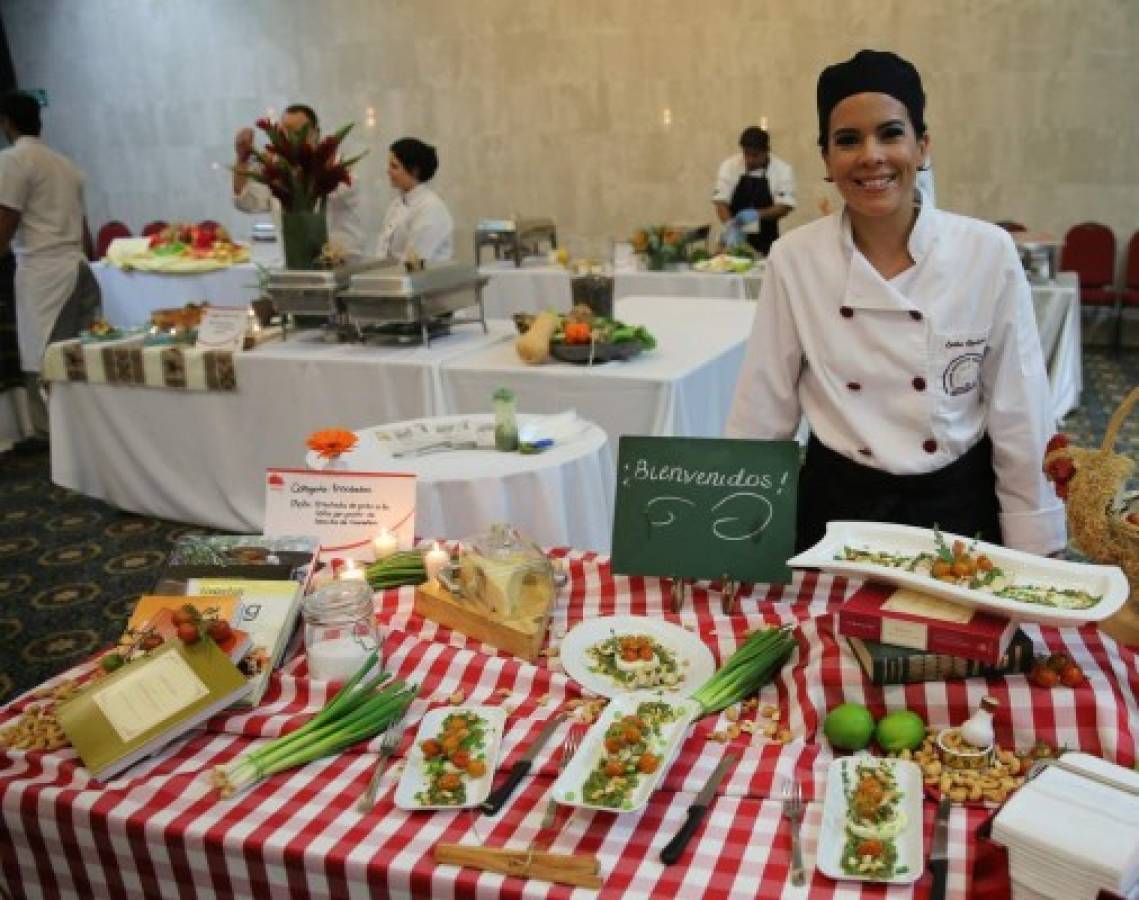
{"points": [[674, 474]]}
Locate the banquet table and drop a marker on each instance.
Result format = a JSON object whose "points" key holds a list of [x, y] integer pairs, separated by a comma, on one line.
{"points": [[684, 387], [1057, 307], [562, 496], [531, 289], [129, 297], [200, 456], [299, 834]]}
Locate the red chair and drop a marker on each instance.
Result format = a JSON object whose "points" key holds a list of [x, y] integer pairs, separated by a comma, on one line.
{"points": [[1089, 250], [1130, 293], [1011, 226], [110, 231], [153, 227]]}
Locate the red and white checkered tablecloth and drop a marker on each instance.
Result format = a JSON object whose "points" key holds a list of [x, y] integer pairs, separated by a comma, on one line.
{"points": [[299, 834]]}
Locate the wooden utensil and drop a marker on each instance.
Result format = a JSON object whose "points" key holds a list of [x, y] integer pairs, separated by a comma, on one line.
{"points": [[562, 868]]}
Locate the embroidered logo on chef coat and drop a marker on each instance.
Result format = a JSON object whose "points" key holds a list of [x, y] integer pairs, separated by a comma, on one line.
{"points": [[963, 370]]}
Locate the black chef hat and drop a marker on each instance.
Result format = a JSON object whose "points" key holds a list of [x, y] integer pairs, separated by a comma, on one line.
{"points": [[871, 71]]}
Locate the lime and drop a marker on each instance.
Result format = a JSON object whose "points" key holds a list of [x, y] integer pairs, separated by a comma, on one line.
{"points": [[849, 726], [900, 730]]}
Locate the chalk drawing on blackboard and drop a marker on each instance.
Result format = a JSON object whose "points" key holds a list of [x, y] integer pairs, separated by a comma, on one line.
{"points": [[758, 524], [672, 516]]}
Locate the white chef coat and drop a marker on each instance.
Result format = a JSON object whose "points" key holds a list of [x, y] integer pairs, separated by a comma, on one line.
{"points": [[345, 226], [780, 178], [417, 221], [46, 189], [907, 375]]}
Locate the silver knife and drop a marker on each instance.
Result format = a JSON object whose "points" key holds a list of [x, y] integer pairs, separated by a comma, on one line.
{"points": [[493, 803], [675, 848], [939, 854]]}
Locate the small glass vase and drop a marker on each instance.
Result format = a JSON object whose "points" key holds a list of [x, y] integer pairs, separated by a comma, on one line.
{"points": [[304, 235]]}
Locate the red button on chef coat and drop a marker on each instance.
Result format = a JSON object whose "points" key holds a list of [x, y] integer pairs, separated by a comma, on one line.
{"points": [[930, 446]]}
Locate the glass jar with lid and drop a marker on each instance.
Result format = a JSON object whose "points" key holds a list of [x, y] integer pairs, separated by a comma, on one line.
{"points": [[340, 629]]}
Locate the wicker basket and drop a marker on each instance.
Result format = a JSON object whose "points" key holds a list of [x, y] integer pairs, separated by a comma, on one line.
{"points": [[1097, 504]]}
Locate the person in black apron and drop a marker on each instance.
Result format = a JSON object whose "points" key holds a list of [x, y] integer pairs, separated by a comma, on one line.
{"points": [[753, 192], [752, 198]]}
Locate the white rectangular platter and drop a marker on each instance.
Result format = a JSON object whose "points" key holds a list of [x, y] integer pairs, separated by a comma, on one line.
{"points": [[1108, 582], [832, 829], [568, 789], [414, 778]]}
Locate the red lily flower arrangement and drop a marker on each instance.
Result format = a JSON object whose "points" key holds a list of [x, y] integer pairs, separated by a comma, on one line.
{"points": [[299, 172]]}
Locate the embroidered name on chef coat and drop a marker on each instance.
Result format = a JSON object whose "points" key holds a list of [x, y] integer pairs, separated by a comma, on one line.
{"points": [[963, 370]]}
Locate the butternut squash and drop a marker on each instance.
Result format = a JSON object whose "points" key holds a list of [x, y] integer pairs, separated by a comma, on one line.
{"points": [[534, 346]]}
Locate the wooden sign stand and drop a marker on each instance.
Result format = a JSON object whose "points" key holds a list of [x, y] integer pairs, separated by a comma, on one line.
{"points": [[522, 636], [730, 600]]}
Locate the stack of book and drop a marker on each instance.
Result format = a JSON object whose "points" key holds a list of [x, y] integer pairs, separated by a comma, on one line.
{"points": [[900, 636]]}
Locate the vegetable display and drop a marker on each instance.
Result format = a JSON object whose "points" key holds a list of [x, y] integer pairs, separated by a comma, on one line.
{"points": [[359, 711], [747, 670], [534, 346], [874, 820], [579, 327]]}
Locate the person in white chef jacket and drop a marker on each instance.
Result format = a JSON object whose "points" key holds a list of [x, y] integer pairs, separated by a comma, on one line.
{"points": [[42, 220], [417, 223], [754, 190], [345, 226], [905, 335]]}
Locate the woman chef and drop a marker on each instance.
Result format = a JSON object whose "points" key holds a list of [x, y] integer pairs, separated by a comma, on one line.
{"points": [[417, 224], [905, 335]]}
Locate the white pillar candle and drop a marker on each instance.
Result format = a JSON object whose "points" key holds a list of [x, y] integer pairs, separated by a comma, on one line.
{"points": [[384, 544], [435, 560]]}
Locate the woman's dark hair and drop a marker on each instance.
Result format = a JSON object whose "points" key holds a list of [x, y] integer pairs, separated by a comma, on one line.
{"points": [[307, 111], [23, 111], [875, 72], [418, 158]]}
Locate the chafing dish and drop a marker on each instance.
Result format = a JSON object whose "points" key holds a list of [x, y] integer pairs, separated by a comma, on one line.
{"points": [[393, 304], [1039, 254], [314, 293], [515, 238]]}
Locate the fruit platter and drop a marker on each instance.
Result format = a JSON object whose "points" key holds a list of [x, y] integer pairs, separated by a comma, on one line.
{"points": [[579, 336], [181, 248], [725, 263], [100, 330]]}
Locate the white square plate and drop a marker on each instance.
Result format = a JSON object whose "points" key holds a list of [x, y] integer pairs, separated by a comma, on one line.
{"points": [[1022, 568], [414, 779], [567, 789], [832, 829]]}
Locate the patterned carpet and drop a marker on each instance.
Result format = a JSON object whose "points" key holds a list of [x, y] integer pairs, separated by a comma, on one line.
{"points": [[71, 567]]}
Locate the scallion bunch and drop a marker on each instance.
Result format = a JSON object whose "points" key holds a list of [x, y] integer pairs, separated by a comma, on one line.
{"points": [[747, 670], [403, 567], [357, 713]]}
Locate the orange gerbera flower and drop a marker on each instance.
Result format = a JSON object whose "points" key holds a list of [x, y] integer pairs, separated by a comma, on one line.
{"points": [[331, 442]]}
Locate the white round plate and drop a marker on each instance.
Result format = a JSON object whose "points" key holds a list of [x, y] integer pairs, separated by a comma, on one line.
{"points": [[685, 644]]}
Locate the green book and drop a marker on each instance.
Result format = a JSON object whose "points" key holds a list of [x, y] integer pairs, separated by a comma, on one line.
{"points": [[887, 664], [118, 720]]}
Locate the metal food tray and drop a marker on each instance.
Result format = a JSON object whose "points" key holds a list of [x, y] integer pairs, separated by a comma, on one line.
{"points": [[511, 237], [314, 291]]}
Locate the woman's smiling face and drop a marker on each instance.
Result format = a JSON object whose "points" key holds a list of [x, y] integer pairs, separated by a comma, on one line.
{"points": [[873, 155]]}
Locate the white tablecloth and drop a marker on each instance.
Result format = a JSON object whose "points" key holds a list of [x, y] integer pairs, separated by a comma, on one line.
{"points": [[1057, 306], [200, 457], [532, 289], [560, 497], [130, 297], [684, 387]]}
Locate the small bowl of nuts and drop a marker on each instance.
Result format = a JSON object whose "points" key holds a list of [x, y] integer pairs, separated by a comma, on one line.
{"points": [[957, 753]]}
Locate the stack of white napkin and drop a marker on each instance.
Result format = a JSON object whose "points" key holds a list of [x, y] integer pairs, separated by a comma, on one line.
{"points": [[1069, 836]]}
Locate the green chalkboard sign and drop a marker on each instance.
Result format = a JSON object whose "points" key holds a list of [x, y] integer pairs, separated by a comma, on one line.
{"points": [[705, 508]]}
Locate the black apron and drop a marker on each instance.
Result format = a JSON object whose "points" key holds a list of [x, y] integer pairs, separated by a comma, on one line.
{"points": [[961, 497], [754, 192]]}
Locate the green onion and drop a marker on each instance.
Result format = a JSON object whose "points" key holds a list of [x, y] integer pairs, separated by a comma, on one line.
{"points": [[404, 567], [747, 670], [357, 713]]}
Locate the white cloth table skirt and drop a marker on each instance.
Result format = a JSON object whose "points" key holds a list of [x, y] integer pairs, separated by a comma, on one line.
{"points": [[201, 456], [130, 297], [1057, 307], [560, 497], [684, 387], [532, 289]]}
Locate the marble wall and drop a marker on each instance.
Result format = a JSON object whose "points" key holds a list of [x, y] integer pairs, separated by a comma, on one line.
{"points": [[604, 114]]}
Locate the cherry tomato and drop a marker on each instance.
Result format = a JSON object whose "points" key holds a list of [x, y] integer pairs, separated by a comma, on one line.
{"points": [[1042, 676], [613, 767], [869, 847], [219, 631], [450, 781], [460, 759], [646, 653], [631, 734], [182, 617], [431, 748], [476, 768], [648, 763], [1072, 676], [188, 633], [613, 744]]}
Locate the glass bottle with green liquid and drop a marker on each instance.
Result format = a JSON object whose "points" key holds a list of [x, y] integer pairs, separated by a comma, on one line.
{"points": [[505, 421]]}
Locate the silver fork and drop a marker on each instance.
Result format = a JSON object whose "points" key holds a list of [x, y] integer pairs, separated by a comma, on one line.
{"points": [[793, 811], [388, 744], [569, 748]]}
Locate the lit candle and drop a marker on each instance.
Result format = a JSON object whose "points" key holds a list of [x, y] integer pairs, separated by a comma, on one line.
{"points": [[384, 544], [435, 560], [351, 570]]}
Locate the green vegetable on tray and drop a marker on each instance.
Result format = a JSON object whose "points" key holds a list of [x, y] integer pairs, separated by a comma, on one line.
{"points": [[403, 567], [747, 670], [357, 713]]}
